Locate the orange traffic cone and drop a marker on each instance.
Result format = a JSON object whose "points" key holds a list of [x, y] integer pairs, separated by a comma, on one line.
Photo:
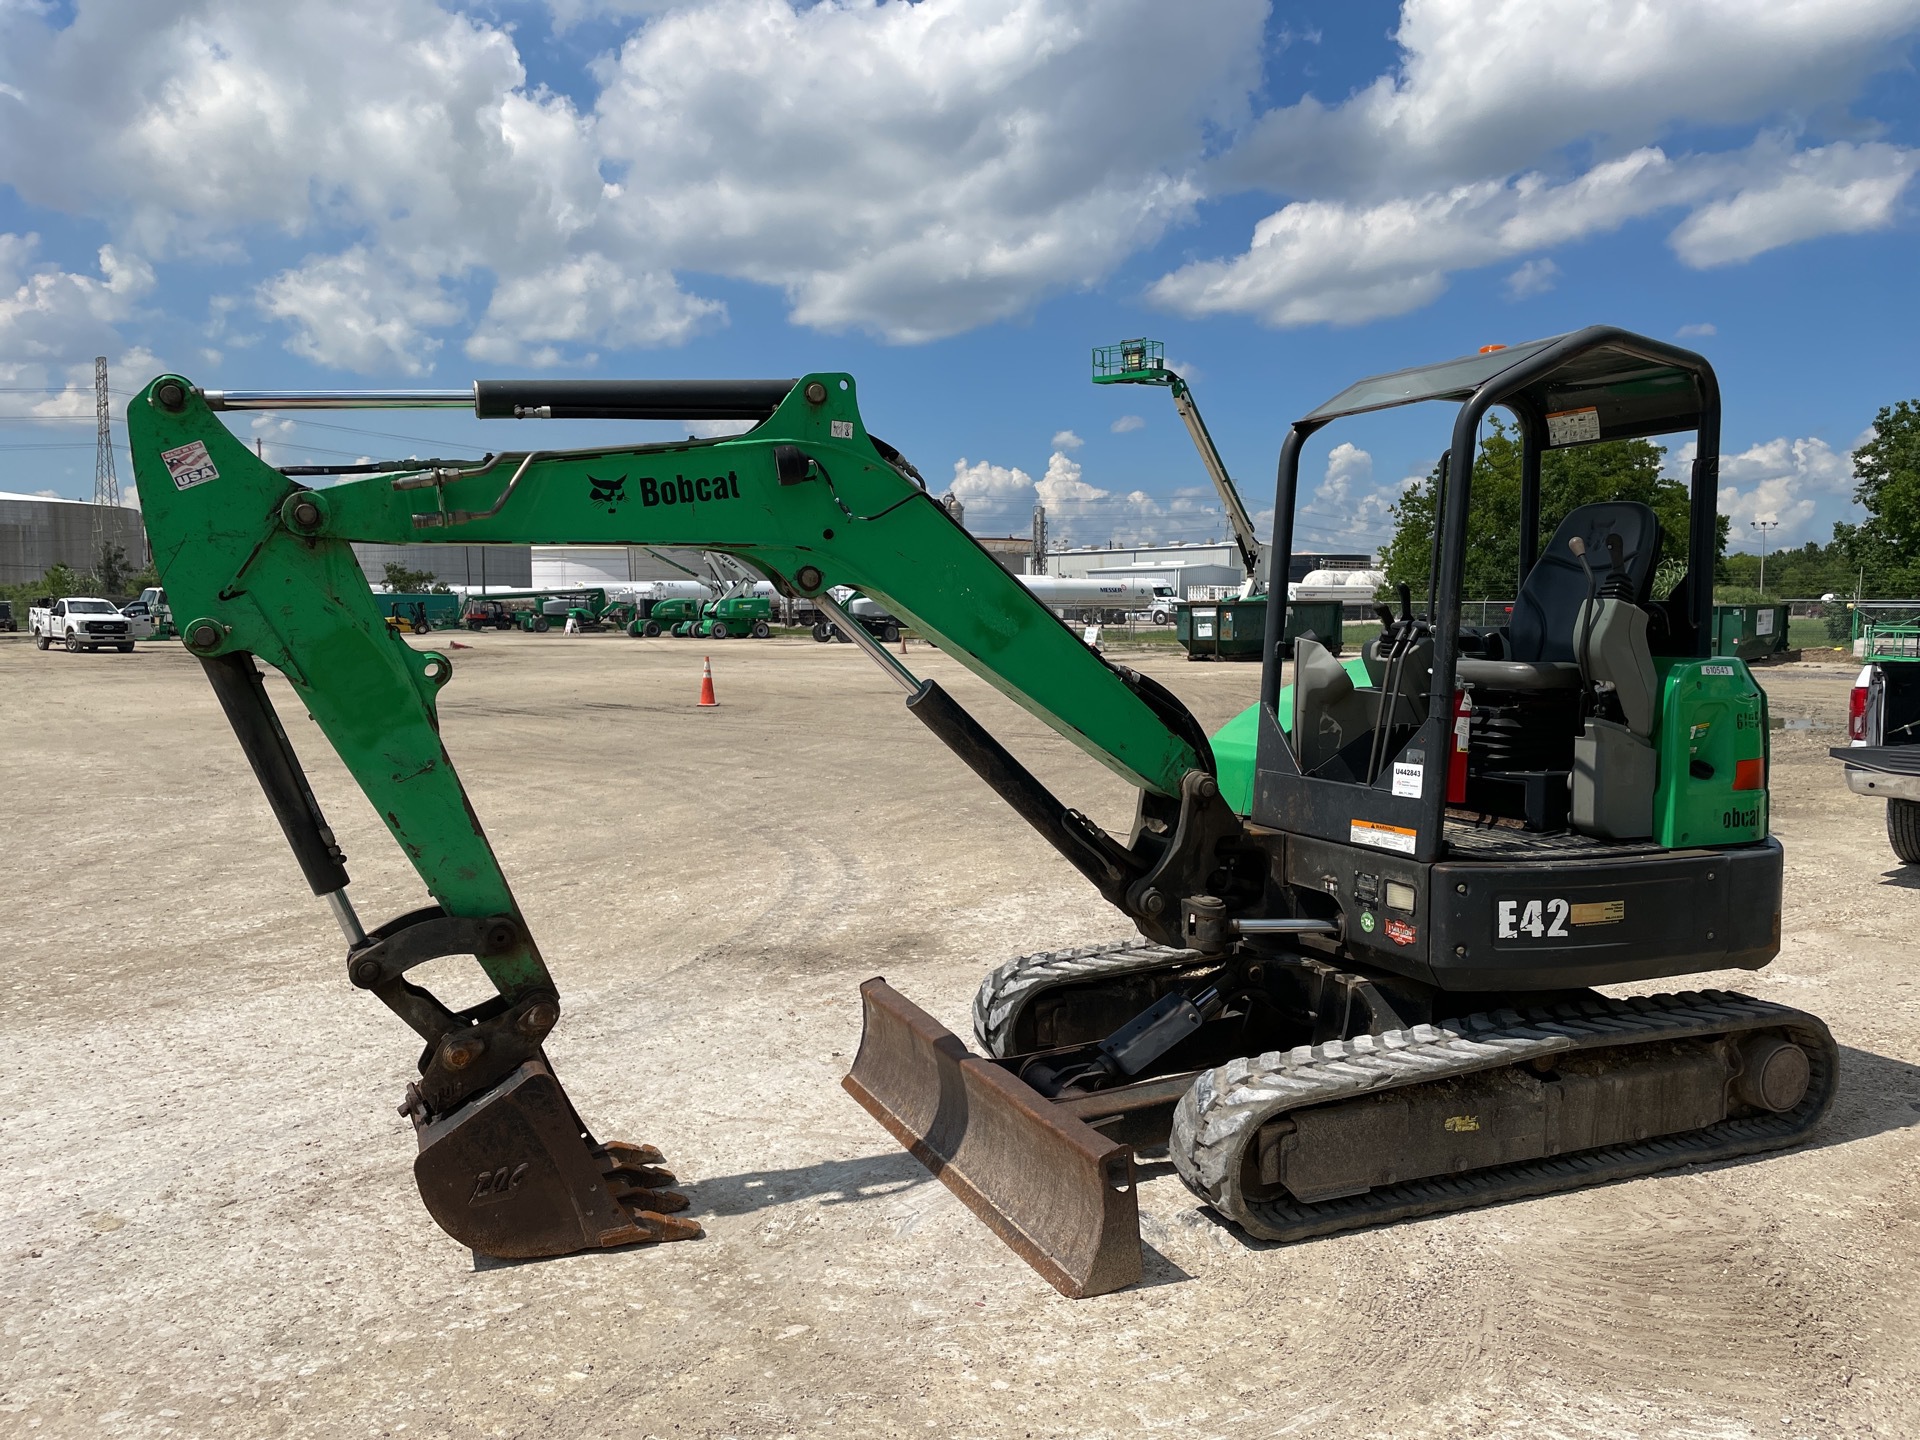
{"points": [[706, 682]]}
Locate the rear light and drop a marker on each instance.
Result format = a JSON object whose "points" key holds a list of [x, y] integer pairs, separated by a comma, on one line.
{"points": [[1857, 713], [1749, 774]]}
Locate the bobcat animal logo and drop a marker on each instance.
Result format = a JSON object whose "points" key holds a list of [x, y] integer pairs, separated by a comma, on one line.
{"points": [[610, 493]]}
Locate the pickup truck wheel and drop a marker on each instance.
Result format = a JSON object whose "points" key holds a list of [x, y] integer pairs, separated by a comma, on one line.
{"points": [[73, 643], [126, 649], [41, 642], [1903, 830]]}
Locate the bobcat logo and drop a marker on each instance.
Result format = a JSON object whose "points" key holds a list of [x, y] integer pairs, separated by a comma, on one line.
{"points": [[610, 493]]}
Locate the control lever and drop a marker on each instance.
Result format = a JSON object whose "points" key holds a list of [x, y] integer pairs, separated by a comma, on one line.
{"points": [[1579, 548], [1406, 604]]}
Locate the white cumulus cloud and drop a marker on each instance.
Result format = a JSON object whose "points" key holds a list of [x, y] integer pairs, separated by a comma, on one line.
{"points": [[1536, 277], [908, 170], [1782, 481], [1837, 190], [1126, 424], [1344, 262], [352, 311], [1066, 440], [1514, 126]]}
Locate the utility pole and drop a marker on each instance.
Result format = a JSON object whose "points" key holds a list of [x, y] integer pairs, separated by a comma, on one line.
{"points": [[1039, 561], [1764, 527], [106, 485]]}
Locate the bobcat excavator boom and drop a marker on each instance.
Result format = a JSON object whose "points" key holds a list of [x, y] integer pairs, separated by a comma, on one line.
{"points": [[259, 566]]}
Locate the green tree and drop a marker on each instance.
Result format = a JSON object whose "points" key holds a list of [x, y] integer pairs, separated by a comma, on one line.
{"points": [[402, 581], [1611, 470], [1883, 551], [110, 569]]}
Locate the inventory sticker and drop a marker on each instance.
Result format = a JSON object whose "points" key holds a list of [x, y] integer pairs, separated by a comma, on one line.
{"points": [[1407, 778], [1599, 912], [1716, 669], [190, 465], [1573, 427], [1401, 933], [1384, 837]]}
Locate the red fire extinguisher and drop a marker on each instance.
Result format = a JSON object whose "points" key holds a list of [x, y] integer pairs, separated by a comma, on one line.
{"points": [[1457, 757]]}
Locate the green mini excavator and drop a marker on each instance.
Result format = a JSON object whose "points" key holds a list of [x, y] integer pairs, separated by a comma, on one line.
{"points": [[1370, 911]]}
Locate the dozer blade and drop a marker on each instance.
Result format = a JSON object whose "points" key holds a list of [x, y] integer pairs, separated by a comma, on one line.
{"points": [[513, 1174], [1051, 1186]]}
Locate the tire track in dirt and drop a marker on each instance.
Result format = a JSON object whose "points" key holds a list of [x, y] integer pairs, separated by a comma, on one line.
{"points": [[1679, 1285]]}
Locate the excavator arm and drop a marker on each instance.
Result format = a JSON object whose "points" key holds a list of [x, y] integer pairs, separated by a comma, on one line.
{"points": [[259, 565]]}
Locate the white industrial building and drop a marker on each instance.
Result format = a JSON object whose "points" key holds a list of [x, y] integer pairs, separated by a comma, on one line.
{"points": [[611, 567], [1198, 572], [38, 532], [1190, 580]]}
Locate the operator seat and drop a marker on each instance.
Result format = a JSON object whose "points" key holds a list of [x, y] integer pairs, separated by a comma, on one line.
{"points": [[1556, 588], [1542, 638]]}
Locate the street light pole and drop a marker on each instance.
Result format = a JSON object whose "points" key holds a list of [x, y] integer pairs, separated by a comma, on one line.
{"points": [[1764, 527]]}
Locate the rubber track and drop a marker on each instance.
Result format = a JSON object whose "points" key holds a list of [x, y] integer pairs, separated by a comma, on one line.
{"points": [[1222, 1113], [1005, 993]]}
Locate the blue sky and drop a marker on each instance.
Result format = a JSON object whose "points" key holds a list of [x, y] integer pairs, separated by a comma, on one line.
{"points": [[955, 201]]}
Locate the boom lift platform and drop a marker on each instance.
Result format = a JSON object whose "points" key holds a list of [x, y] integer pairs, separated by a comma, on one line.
{"points": [[1368, 910], [1144, 362]]}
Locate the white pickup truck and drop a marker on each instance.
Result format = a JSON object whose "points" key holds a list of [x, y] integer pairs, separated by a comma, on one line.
{"points": [[1882, 753], [80, 622]]}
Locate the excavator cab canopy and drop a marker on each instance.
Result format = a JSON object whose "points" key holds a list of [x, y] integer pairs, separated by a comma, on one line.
{"points": [[1593, 385]]}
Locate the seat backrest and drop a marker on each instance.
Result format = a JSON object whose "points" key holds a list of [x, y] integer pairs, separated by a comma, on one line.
{"points": [[1555, 589]]}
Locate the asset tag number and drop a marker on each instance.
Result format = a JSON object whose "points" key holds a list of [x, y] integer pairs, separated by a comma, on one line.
{"points": [[1536, 919]]}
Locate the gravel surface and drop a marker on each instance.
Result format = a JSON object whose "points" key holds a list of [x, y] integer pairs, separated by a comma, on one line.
{"points": [[211, 1225]]}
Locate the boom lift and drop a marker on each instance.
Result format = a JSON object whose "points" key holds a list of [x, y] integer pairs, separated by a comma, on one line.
{"points": [[1143, 362], [1362, 998]]}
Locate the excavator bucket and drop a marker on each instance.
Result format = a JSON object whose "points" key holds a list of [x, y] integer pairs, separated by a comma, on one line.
{"points": [[1050, 1185], [513, 1174]]}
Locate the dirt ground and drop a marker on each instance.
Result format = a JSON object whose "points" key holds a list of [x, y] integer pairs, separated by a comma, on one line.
{"points": [[211, 1225]]}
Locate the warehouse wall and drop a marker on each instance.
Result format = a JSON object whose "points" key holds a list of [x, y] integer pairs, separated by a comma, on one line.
{"points": [[498, 567], [37, 533]]}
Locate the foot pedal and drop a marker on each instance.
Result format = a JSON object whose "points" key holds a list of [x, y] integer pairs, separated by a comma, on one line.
{"points": [[512, 1174]]}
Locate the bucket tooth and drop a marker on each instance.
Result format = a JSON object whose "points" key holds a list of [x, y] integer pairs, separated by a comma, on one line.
{"points": [[512, 1175], [1050, 1185]]}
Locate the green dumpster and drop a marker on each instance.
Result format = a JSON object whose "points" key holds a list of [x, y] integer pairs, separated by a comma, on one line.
{"points": [[1749, 632], [1237, 629]]}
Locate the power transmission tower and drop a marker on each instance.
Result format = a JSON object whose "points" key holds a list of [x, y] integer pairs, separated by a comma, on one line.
{"points": [[106, 486]]}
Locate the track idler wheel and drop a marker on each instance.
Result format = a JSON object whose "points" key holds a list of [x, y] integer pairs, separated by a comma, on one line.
{"points": [[513, 1174]]}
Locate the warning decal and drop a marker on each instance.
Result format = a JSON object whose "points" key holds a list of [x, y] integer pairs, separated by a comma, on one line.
{"points": [[1573, 427], [1384, 837]]}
